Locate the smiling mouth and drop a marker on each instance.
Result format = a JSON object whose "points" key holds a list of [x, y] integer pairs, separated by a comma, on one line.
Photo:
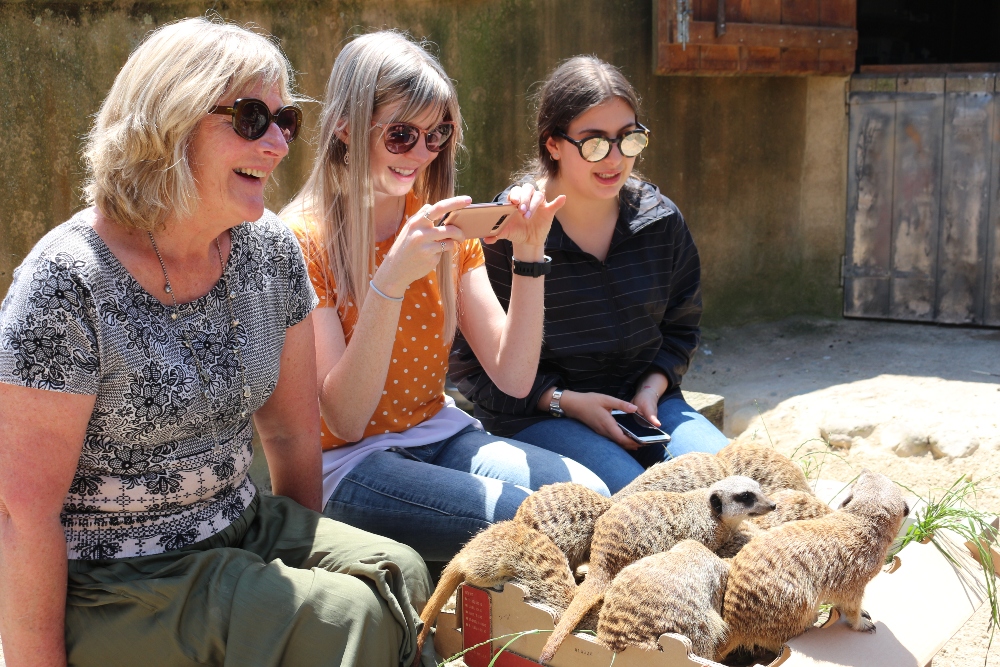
{"points": [[255, 174], [402, 172], [608, 176]]}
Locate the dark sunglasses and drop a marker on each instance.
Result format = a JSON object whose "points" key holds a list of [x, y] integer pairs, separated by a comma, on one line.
{"points": [[595, 149], [252, 117], [402, 137]]}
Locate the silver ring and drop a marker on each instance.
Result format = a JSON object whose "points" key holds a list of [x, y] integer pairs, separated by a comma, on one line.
{"points": [[428, 218], [443, 247]]}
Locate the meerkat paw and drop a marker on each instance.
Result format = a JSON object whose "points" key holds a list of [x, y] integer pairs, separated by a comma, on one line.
{"points": [[865, 625], [865, 614]]}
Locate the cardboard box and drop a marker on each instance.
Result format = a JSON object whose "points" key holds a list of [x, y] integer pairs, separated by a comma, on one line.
{"points": [[917, 607]]}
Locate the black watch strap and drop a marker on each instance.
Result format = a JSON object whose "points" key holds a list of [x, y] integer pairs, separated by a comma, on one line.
{"points": [[531, 269]]}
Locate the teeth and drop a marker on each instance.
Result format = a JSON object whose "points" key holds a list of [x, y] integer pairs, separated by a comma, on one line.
{"points": [[402, 172], [612, 175], [256, 173]]}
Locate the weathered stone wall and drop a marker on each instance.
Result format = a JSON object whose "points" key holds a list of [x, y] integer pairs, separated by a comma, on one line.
{"points": [[757, 164]]}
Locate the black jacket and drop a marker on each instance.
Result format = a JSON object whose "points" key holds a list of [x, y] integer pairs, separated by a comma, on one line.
{"points": [[606, 323]]}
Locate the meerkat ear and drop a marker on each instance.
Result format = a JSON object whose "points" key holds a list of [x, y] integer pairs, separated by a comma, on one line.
{"points": [[716, 502], [906, 508], [846, 500]]}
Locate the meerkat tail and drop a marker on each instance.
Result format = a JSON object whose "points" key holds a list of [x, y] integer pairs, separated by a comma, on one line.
{"points": [[450, 579], [589, 593]]}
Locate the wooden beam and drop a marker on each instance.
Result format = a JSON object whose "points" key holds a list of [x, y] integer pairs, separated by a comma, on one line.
{"points": [[776, 36]]}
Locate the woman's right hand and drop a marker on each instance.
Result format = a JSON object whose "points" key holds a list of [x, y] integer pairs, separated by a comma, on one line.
{"points": [[418, 247], [594, 410]]}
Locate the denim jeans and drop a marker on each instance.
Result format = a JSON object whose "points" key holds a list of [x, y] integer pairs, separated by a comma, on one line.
{"points": [[435, 497], [689, 432]]}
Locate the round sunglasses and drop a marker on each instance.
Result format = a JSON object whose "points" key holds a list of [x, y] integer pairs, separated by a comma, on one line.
{"points": [[252, 117], [402, 137], [595, 149]]}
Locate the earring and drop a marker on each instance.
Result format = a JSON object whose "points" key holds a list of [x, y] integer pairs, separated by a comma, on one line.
{"points": [[347, 158]]}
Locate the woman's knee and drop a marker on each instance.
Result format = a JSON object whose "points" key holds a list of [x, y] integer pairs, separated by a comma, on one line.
{"points": [[350, 618], [416, 577]]}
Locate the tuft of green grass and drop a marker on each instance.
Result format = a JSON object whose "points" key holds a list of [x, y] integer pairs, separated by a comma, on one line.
{"points": [[954, 510]]}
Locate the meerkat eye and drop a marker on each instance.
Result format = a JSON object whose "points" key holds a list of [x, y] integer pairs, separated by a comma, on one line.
{"points": [[746, 498]]}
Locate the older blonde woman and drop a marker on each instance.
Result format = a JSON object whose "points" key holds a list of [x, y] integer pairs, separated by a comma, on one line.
{"points": [[137, 342]]}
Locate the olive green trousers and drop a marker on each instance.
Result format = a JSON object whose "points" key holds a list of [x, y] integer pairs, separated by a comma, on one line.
{"points": [[281, 586]]}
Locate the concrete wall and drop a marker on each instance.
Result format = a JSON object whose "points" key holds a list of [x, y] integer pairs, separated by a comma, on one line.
{"points": [[757, 164]]}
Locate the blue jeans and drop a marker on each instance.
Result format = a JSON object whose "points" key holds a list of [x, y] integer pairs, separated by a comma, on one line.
{"points": [[435, 497], [689, 432]]}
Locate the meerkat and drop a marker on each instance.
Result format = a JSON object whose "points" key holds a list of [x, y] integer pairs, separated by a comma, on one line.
{"points": [[792, 505], [654, 521], [566, 512], [695, 470], [506, 551], [680, 591], [777, 582], [772, 470]]}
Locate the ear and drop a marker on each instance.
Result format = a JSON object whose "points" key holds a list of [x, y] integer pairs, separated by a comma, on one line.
{"points": [[848, 499], [343, 131], [716, 502], [906, 508], [552, 147]]}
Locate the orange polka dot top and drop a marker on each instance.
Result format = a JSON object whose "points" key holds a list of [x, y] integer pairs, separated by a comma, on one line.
{"points": [[414, 385]]}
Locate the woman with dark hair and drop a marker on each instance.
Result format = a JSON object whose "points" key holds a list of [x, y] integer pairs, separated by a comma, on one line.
{"points": [[623, 300]]}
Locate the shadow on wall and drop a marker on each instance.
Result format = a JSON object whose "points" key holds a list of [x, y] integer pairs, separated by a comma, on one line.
{"points": [[757, 164]]}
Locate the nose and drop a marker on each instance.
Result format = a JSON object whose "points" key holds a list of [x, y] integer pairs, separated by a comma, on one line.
{"points": [[273, 142]]}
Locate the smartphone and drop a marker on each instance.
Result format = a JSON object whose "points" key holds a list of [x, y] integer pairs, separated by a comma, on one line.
{"points": [[479, 220], [636, 427]]}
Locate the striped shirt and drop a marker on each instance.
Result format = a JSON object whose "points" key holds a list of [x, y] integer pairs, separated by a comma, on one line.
{"points": [[606, 323]]}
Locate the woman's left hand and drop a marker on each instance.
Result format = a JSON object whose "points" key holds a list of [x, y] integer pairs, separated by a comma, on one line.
{"points": [[647, 395], [530, 225], [645, 400]]}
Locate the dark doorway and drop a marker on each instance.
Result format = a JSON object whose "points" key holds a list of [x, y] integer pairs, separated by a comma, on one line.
{"points": [[925, 32]]}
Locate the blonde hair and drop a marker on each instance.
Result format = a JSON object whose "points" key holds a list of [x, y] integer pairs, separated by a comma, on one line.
{"points": [[137, 152], [372, 72]]}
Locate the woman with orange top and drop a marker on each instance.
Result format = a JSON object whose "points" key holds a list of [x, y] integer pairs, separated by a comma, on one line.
{"points": [[399, 458]]}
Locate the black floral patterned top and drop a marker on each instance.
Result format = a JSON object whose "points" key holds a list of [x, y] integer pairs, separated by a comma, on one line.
{"points": [[162, 465]]}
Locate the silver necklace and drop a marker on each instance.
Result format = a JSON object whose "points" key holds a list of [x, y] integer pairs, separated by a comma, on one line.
{"points": [[233, 322]]}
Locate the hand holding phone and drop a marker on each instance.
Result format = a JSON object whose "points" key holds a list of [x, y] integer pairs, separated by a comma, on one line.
{"points": [[639, 429], [479, 220]]}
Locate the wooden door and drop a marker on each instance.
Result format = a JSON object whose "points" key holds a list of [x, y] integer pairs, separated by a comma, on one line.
{"points": [[923, 214]]}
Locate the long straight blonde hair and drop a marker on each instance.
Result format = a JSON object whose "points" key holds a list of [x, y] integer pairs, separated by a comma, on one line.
{"points": [[372, 72]]}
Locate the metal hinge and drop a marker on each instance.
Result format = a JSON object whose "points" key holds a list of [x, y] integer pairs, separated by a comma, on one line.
{"points": [[843, 269], [847, 96]]}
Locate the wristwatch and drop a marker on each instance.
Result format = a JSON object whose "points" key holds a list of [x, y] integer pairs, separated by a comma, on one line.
{"points": [[554, 408], [531, 269]]}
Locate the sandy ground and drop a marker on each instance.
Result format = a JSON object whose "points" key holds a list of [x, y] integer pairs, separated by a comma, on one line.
{"points": [[918, 403], [875, 390]]}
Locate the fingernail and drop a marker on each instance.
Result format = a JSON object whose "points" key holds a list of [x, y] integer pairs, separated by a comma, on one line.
{"points": [[527, 215]]}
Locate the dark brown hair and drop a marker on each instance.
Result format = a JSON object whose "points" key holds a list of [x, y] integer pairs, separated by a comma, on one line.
{"points": [[576, 85]]}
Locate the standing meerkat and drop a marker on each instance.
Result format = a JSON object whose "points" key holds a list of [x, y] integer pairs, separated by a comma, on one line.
{"points": [[566, 512], [651, 522], [774, 471], [506, 551], [695, 470], [777, 582], [680, 591]]}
